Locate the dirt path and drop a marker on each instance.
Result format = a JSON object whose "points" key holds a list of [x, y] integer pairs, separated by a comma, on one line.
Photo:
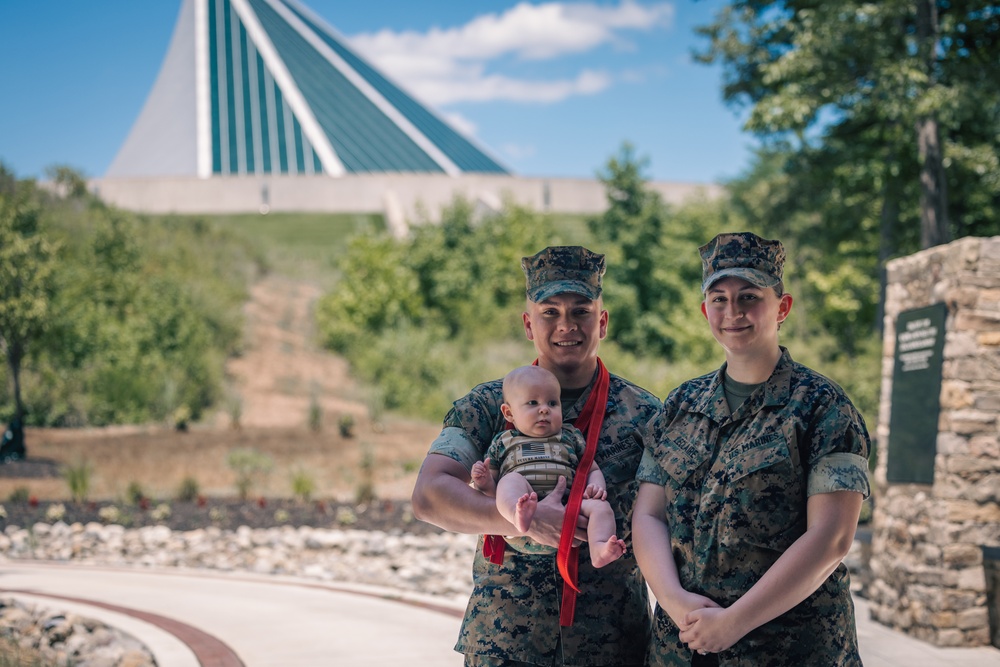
{"points": [[282, 370]]}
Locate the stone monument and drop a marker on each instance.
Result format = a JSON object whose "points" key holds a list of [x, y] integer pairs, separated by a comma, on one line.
{"points": [[935, 562]]}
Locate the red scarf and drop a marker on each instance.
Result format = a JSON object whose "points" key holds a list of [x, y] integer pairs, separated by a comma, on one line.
{"points": [[589, 422]]}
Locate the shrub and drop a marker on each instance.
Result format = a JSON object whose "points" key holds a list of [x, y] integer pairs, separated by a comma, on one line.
{"points": [[161, 512], [77, 477], [250, 466], [303, 485], [315, 414], [134, 493], [109, 514], [55, 512], [188, 490], [346, 426], [365, 492], [19, 496]]}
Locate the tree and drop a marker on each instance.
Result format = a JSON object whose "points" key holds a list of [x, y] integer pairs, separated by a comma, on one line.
{"points": [[26, 266], [901, 87], [885, 120], [652, 261]]}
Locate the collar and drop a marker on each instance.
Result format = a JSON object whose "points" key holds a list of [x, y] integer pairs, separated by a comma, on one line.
{"points": [[777, 392]]}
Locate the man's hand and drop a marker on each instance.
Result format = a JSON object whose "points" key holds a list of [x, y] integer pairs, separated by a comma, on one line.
{"points": [[546, 525]]}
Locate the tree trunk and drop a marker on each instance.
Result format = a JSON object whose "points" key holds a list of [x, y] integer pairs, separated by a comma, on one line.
{"points": [[14, 356], [887, 220], [933, 190]]}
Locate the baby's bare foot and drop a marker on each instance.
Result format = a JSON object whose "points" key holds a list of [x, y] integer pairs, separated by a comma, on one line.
{"points": [[525, 510], [607, 552]]}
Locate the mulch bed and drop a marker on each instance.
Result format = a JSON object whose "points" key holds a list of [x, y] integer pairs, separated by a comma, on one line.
{"points": [[225, 513]]}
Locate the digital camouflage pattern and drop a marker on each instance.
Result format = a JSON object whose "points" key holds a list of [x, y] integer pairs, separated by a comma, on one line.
{"points": [[743, 255], [561, 269], [513, 611], [736, 488], [541, 461]]}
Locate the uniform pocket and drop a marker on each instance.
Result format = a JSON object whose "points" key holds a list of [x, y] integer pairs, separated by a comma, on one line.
{"points": [[766, 494]]}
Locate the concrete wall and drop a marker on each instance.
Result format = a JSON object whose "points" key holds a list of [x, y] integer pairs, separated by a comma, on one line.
{"points": [[412, 196], [929, 578]]}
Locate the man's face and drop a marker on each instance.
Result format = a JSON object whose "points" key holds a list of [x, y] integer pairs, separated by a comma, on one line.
{"points": [[566, 330]]}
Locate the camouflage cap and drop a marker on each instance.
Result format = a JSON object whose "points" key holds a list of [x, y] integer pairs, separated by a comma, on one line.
{"points": [[559, 269], [744, 255]]}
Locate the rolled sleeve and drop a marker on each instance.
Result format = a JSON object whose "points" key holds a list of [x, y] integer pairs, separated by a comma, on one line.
{"points": [[839, 471], [650, 471], [455, 444]]}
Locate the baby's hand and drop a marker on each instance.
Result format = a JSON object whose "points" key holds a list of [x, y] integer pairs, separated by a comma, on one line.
{"points": [[594, 491], [482, 478]]}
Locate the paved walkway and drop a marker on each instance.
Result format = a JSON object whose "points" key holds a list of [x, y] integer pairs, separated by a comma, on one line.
{"points": [[213, 619]]}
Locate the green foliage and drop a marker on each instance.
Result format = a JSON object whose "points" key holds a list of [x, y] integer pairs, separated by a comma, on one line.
{"points": [[27, 263], [653, 261], [134, 317], [78, 476], [303, 485], [844, 89], [19, 496], [365, 491], [250, 467], [345, 425], [188, 490], [404, 309], [315, 418], [134, 493]]}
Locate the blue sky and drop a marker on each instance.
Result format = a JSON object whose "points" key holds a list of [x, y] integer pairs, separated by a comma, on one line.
{"points": [[550, 88]]}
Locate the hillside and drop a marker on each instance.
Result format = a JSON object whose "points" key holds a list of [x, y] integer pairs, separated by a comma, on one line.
{"points": [[273, 385]]}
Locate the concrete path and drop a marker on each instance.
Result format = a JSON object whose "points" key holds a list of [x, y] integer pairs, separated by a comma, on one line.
{"points": [[263, 621], [214, 619]]}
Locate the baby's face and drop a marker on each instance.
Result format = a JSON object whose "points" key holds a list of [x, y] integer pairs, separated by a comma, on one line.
{"points": [[536, 408]]}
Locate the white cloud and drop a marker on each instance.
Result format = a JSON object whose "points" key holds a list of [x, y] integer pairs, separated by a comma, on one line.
{"points": [[447, 65], [461, 123], [518, 151]]}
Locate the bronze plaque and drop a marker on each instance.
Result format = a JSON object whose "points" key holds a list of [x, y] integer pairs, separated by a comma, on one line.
{"points": [[916, 394]]}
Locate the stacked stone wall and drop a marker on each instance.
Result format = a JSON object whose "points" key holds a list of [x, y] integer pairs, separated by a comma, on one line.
{"points": [[929, 572]]}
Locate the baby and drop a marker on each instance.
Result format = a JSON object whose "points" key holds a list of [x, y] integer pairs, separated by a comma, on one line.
{"points": [[524, 464]]}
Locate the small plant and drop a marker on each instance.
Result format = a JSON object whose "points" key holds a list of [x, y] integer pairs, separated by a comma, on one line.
{"points": [[281, 516], [376, 410], [161, 512], [3, 512], [365, 492], [250, 467], [188, 490], [77, 477], [134, 493], [235, 410], [346, 516], [303, 485], [19, 496], [346, 426], [315, 414], [55, 512], [217, 514], [109, 514], [181, 418]]}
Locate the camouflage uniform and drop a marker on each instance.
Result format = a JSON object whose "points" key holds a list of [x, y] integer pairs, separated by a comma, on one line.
{"points": [[736, 488], [541, 461], [513, 612]]}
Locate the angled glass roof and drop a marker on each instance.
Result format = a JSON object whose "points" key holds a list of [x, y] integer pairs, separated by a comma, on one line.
{"points": [[264, 87]]}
